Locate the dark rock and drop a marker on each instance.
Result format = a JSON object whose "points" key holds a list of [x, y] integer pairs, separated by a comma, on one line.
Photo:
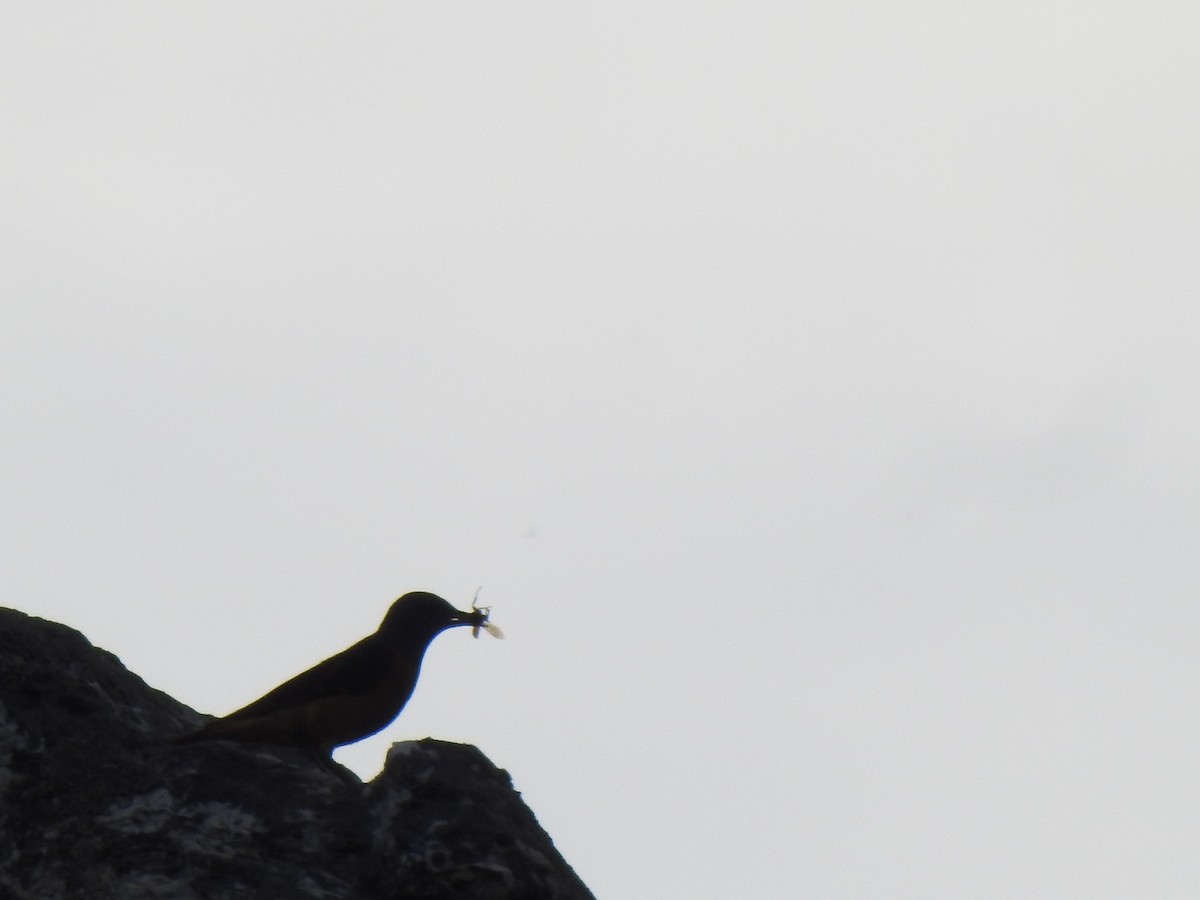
{"points": [[96, 802]]}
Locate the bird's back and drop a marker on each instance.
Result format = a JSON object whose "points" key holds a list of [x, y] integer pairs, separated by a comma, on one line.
{"points": [[355, 670], [349, 696]]}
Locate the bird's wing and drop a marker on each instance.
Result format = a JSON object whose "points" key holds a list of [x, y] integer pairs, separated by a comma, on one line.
{"points": [[354, 670]]}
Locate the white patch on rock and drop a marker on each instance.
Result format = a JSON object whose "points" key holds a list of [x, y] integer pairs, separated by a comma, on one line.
{"points": [[402, 748], [216, 829]]}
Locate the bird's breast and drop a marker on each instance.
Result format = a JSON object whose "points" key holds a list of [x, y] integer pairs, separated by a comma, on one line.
{"points": [[342, 718]]}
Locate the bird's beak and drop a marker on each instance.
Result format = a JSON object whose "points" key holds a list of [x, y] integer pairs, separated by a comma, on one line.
{"points": [[478, 618]]}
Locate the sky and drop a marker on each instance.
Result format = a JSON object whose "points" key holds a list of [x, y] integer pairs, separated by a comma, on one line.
{"points": [[810, 387]]}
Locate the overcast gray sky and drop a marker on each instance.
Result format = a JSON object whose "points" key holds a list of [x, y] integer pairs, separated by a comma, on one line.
{"points": [[811, 387]]}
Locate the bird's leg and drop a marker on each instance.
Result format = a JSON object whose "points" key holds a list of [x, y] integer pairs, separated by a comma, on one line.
{"points": [[324, 759]]}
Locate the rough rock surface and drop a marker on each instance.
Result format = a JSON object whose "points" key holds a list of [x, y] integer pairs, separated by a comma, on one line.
{"points": [[95, 802]]}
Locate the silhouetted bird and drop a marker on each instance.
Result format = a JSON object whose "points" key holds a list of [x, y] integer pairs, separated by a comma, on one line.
{"points": [[353, 694]]}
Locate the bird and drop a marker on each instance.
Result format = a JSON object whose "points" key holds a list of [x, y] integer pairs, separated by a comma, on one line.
{"points": [[354, 693]]}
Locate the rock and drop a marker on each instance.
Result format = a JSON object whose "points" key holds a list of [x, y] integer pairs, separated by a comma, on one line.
{"points": [[96, 802]]}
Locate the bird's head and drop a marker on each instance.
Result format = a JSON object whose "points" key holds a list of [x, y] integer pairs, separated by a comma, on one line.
{"points": [[420, 616]]}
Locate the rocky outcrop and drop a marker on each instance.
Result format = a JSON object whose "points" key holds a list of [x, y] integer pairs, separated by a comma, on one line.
{"points": [[96, 802]]}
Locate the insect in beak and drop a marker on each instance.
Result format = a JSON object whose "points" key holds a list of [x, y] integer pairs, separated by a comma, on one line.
{"points": [[479, 619]]}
